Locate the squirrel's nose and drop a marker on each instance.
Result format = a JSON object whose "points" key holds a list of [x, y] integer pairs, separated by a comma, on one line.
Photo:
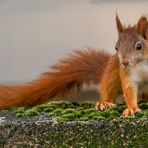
{"points": [[125, 63]]}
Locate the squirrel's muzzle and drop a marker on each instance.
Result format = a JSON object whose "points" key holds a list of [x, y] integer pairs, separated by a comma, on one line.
{"points": [[125, 63]]}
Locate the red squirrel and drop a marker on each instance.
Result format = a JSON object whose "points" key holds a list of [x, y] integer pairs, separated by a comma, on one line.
{"points": [[117, 74]]}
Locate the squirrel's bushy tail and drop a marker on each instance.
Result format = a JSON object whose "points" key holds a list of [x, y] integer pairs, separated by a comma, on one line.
{"points": [[81, 67]]}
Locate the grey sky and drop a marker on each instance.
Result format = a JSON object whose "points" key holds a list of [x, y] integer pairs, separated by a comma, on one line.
{"points": [[35, 33]]}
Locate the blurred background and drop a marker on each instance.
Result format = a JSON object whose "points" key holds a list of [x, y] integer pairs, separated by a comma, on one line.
{"points": [[34, 34]]}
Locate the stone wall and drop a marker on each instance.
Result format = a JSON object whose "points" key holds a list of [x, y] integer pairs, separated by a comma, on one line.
{"points": [[72, 125]]}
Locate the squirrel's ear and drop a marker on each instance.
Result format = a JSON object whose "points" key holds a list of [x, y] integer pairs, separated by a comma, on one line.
{"points": [[119, 25], [142, 27]]}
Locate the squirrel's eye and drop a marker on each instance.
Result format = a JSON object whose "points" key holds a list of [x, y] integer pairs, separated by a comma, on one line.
{"points": [[139, 46], [116, 47]]}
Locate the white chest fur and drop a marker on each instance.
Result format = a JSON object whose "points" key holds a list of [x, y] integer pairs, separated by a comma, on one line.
{"points": [[139, 73]]}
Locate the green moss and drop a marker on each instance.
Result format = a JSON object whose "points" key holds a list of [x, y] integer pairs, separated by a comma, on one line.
{"points": [[120, 108], [61, 105], [19, 114], [143, 106], [19, 110], [56, 112], [77, 114], [84, 118], [65, 105], [39, 108], [97, 118], [68, 117], [139, 115], [145, 113], [88, 113], [31, 112], [48, 109], [89, 110], [87, 105], [130, 118], [66, 111], [91, 115]]}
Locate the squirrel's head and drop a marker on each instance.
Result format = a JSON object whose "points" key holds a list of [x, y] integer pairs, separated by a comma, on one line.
{"points": [[132, 44]]}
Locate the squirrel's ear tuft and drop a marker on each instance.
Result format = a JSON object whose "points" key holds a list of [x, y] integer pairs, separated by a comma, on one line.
{"points": [[142, 27], [119, 25]]}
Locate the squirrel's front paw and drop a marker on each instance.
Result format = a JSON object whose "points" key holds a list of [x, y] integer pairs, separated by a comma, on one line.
{"points": [[131, 112], [104, 105]]}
